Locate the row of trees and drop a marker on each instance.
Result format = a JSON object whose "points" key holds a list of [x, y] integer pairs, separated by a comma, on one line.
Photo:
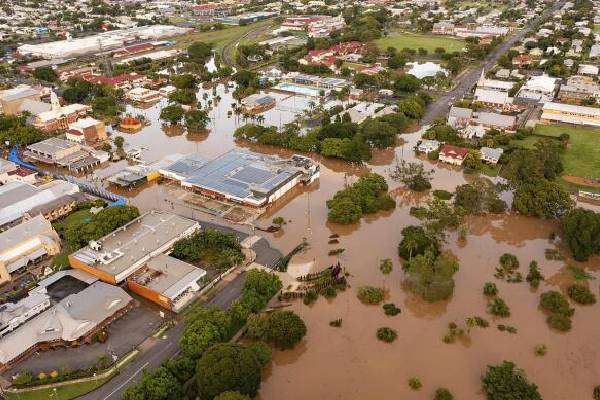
{"points": [[341, 138]]}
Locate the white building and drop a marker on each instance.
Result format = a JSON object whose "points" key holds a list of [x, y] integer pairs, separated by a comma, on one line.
{"points": [[13, 315], [539, 88], [571, 114]]}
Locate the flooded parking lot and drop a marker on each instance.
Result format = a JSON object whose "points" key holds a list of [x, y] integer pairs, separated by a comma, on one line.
{"points": [[349, 362]]}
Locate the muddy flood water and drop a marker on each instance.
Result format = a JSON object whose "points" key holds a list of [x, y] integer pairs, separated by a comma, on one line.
{"points": [[349, 362]]}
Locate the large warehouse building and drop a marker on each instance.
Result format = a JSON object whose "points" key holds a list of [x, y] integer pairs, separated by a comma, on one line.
{"points": [[246, 178], [101, 42]]}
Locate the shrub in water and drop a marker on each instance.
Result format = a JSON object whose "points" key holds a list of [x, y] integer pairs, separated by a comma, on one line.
{"points": [[391, 309], [386, 334], [581, 294], [490, 289], [370, 295], [560, 322], [415, 383], [443, 394], [499, 308]]}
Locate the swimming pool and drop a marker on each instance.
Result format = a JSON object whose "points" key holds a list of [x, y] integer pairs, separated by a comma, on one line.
{"points": [[305, 90]]}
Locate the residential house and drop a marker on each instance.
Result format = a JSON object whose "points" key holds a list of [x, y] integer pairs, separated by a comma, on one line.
{"points": [[427, 146], [453, 154], [491, 155]]}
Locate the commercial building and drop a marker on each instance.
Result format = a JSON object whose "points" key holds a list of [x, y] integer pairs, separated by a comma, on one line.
{"points": [[578, 89], [105, 41], [53, 200], [143, 95], [70, 322], [167, 281], [247, 18], [248, 178], [570, 114], [11, 100], [119, 254], [26, 244], [87, 131], [13, 315], [66, 153]]}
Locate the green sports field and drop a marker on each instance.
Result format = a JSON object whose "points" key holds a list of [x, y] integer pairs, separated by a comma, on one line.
{"points": [[400, 40], [582, 157]]}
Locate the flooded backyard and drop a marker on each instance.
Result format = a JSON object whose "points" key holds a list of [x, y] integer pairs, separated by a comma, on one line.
{"points": [[349, 362]]}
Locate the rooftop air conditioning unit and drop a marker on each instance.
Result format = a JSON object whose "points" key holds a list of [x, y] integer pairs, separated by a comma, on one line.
{"points": [[95, 245]]}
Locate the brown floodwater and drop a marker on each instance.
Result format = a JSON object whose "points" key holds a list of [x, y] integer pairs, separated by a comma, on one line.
{"points": [[349, 362]]}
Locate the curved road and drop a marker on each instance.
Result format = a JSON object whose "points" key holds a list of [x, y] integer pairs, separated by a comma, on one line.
{"points": [[439, 108]]}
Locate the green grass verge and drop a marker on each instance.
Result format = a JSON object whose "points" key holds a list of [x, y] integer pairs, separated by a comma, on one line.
{"points": [[66, 392], [400, 40]]}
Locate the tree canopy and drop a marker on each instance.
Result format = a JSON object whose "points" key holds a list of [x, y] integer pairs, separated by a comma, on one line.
{"points": [[581, 230], [281, 328], [507, 382], [227, 367]]}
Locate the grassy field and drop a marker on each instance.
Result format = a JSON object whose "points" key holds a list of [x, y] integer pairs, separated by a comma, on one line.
{"points": [[66, 392], [400, 40], [582, 157], [218, 38]]}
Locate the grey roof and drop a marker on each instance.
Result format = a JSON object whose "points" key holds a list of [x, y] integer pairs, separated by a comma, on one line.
{"points": [[495, 119], [492, 153], [17, 198], [167, 275], [123, 251], [34, 107], [18, 93], [460, 112], [51, 145], [24, 231], [243, 175], [73, 317]]}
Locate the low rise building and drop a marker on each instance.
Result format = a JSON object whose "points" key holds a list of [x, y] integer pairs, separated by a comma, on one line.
{"points": [[539, 89], [143, 95], [70, 322], [248, 178], [11, 100], [91, 130], [13, 315], [257, 103], [53, 200], [25, 244], [427, 146], [491, 155], [118, 255], [579, 88], [570, 114], [167, 281]]}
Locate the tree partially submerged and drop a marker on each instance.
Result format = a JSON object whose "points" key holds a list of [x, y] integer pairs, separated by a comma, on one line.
{"points": [[431, 276], [507, 382], [413, 175]]}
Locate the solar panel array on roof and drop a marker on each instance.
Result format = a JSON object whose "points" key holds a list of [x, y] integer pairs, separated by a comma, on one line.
{"points": [[242, 175], [187, 166]]}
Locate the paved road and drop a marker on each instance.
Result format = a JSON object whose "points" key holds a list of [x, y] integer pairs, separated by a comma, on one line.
{"points": [[161, 350], [439, 108]]}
